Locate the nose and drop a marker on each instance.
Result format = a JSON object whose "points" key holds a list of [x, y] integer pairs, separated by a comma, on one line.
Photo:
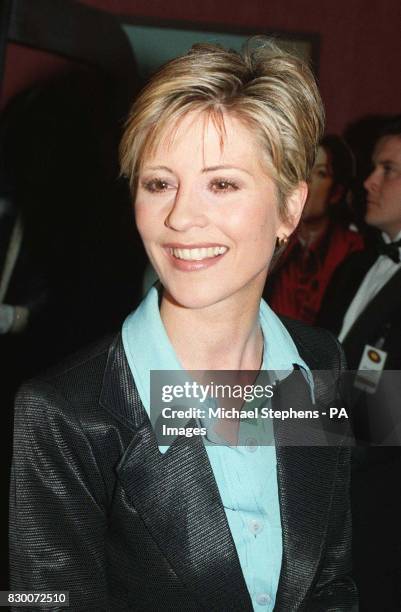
{"points": [[372, 182], [187, 211]]}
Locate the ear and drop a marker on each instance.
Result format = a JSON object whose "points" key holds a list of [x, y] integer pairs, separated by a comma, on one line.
{"points": [[294, 206]]}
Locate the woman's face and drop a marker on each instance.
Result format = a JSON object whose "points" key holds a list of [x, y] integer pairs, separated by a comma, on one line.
{"points": [[320, 188], [207, 212]]}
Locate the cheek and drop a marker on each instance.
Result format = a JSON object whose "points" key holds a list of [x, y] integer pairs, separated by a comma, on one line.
{"points": [[323, 192], [319, 189], [251, 224], [393, 191], [144, 219], [259, 228]]}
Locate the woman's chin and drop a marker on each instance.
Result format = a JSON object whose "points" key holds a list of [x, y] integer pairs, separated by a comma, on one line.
{"points": [[193, 299]]}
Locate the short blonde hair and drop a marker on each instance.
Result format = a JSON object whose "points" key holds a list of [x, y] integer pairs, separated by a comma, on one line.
{"points": [[268, 89]]}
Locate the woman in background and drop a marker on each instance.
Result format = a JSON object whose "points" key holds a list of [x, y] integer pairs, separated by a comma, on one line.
{"points": [[324, 237], [218, 149]]}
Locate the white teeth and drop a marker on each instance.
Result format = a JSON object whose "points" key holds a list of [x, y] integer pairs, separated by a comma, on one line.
{"points": [[198, 254]]}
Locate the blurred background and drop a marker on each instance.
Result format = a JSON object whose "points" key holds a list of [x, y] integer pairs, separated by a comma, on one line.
{"points": [[70, 259]]}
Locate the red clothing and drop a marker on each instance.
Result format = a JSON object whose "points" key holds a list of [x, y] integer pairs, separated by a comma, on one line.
{"points": [[296, 286]]}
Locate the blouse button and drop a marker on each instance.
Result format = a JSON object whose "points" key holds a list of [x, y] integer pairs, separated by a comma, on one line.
{"points": [[251, 445], [255, 526], [263, 599]]}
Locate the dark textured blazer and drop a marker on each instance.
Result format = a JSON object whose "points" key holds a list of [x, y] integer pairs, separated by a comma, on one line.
{"points": [[98, 511], [380, 319]]}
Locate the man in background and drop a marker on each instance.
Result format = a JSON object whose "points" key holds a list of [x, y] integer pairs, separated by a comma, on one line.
{"points": [[363, 307], [362, 304]]}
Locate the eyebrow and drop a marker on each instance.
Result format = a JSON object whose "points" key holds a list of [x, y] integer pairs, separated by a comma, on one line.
{"points": [[166, 168], [204, 170], [389, 163], [386, 162], [224, 167]]}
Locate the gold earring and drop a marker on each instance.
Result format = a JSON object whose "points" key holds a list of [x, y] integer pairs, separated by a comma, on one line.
{"points": [[281, 241]]}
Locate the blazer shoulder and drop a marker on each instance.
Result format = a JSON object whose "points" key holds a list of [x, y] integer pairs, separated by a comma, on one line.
{"points": [[78, 378], [318, 347]]}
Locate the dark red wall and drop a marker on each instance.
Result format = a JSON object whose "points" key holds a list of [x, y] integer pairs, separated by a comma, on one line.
{"points": [[360, 54], [24, 67], [360, 61]]}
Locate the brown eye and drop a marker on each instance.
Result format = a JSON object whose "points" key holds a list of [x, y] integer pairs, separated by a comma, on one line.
{"points": [[387, 170], [156, 185], [223, 185]]}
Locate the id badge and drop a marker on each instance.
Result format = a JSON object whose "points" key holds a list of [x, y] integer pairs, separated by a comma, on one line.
{"points": [[370, 369]]}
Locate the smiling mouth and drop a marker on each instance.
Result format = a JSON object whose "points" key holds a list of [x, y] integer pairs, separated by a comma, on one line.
{"points": [[197, 254]]}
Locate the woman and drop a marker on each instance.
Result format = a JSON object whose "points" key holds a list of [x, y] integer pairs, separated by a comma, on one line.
{"points": [[217, 149], [324, 237]]}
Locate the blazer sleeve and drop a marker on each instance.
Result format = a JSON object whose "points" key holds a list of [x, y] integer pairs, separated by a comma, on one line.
{"points": [[335, 590], [57, 503]]}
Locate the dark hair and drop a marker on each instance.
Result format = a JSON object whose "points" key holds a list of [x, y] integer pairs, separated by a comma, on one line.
{"points": [[341, 160], [391, 127]]}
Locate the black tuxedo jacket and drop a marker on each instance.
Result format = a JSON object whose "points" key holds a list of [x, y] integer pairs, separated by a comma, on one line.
{"points": [[98, 511], [380, 319], [375, 490]]}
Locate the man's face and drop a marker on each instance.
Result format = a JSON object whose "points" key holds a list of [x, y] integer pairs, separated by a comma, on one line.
{"points": [[383, 187]]}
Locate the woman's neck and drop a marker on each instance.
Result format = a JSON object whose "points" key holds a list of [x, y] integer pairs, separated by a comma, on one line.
{"points": [[224, 336], [311, 230]]}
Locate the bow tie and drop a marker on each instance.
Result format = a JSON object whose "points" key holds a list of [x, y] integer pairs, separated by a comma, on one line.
{"points": [[391, 249]]}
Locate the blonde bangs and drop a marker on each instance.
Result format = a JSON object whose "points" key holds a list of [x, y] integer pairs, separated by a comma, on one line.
{"points": [[266, 88]]}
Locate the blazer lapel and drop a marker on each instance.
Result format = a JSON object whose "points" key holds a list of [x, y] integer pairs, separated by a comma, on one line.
{"points": [[177, 498], [306, 464], [305, 478]]}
